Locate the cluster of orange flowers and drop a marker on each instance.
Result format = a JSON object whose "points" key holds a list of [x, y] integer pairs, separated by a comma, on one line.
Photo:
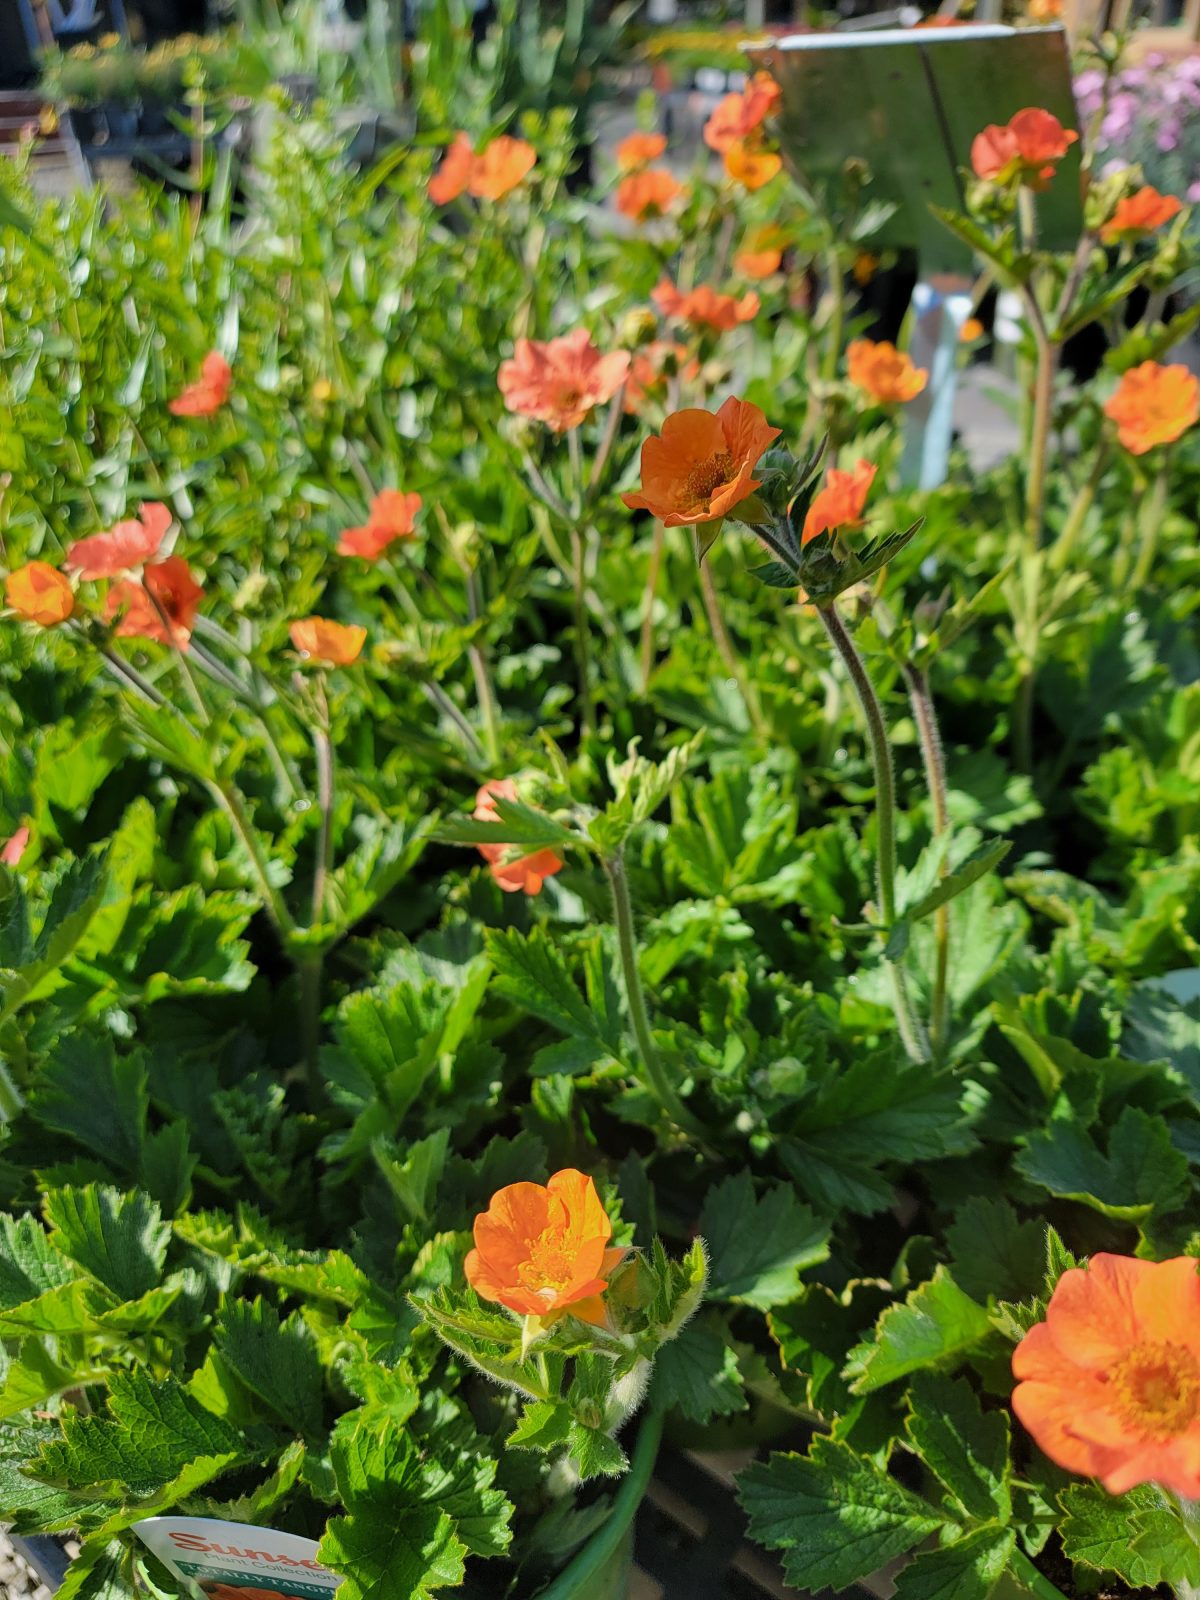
{"points": [[645, 191], [735, 132], [487, 174], [1153, 405], [704, 307], [1024, 150]]}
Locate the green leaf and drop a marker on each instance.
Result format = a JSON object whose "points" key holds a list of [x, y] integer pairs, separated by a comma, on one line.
{"points": [[533, 974], [99, 1100], [596, 1454], [277, 1361], [1141, 1174], [392, 1545], [464, 1490], [118, 1239], [516, 824], [836, 1516], [697, 1374], [966, 1448], [1139, 1535], [544, 1425], [29, 1264], [413, 1173], [759, 1247], [970, 1569], [76, 899], [982, 860], [994, 1255], [101, 1571], [152, 1432], [937, 1322]]}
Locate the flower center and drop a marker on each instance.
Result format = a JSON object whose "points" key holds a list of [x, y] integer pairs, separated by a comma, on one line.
{"points": [[569, 398], [712, 474], [1156, 1388], [550, 1266]]}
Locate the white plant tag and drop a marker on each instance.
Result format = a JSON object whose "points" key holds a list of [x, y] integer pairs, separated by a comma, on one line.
{"points": [[235, 1561]]}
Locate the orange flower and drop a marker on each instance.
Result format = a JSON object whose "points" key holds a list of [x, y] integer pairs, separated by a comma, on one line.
{"points": [[454, 173], [840, 500], [1153, 405], [750, 165], [210, 393], [40, 593], [884, 372], [334, 643], [560, 380], [705, 307], [639, 150], [123, 547], [648, 373], [543, 1250], [648, 194], [1024, 149], [392, 516], [865, 267], [738, 115], [971, 330], [499, 167], [761, 253], [161, 607], [527, 872], [1139, 214], [1109, 1383], [14, 848], [701, 465], [1045, 10]]}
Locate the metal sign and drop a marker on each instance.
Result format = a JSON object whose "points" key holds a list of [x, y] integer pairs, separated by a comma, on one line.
{"points": [[908, 103]]}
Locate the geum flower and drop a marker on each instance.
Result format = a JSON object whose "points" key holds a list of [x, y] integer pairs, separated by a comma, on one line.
{"points": [[702, 465], [1023, 150], [333, 644], [488, 174], [162, 606], [542, 1249], [1139, 214], [761, 253], [839, 502], [125, 546], [1153, 405], [559, 381], [40, 593], [525, 873], [748, 163], [648, 194], [1109, 1383], [883, 372], [638, 150], [738, 115], [704, 307], [209, 393], [392, 516]]}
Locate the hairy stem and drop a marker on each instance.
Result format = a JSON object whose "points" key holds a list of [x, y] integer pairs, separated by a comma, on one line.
{"points": [[725, 649], [934, 760], [661, 1086], [581, 632], [1150, 519], [323, 750], [885, 814]]}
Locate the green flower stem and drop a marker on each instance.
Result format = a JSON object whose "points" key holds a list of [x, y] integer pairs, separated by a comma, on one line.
{"points": [[1063, 547], [323, 750], [1028, 1576], [575, 1577], [1149, 524], [647, 643], [725, 648], [885, 812], [934, 760], [837, 315], [660, 1084], [581, 632], [485, 693], [438, 697], [1039, 437]]}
